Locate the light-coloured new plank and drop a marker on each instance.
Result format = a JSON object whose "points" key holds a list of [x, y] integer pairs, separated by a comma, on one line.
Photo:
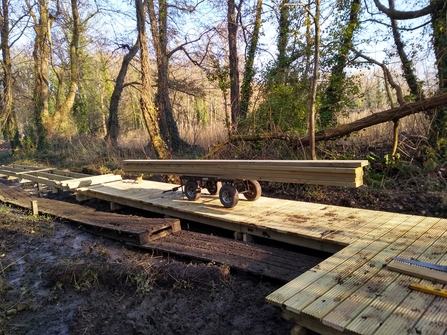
{"points": [[369, 290], [339, 274], [347, 285], [386, 303], [418, 272], [337, 174], [294, 287]]}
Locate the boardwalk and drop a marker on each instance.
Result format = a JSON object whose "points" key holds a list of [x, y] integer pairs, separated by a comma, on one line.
{"points": [[322, 227], [351, 292]]}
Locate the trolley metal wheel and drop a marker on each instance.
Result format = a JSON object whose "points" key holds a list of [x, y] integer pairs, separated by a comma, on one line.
{"points": [[213, 187], [192, 190], [253, 190], [229, 196]]}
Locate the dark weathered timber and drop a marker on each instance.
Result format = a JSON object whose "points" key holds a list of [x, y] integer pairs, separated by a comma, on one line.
{"points": [[260, 260], [133, 229]]}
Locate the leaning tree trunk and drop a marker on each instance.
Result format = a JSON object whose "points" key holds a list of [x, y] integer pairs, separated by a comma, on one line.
{"points": [[148, 109], [330, 104], [113, 127], [346, 129]]}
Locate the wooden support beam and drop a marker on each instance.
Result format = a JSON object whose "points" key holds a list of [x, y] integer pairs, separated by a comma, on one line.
{"points": [[34, 207]]}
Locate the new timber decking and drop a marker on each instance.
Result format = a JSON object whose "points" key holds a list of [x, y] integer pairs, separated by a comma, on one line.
{"points": [[322, 227], [353, 292]]}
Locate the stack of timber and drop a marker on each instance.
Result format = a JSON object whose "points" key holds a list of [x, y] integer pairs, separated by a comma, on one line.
{"points": [[318, 172], [54, 177]]}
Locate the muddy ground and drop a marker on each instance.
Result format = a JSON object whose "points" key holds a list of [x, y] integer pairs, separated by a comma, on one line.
{"points": [[56, 279]]}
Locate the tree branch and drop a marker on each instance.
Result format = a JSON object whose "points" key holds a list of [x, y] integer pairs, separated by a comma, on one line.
{"points": [[399, 15], [343, 130]]}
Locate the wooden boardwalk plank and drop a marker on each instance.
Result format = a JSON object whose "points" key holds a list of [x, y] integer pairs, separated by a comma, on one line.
{"points": [[385, 304], [369, 290], [413, 307], [346, 285], [291, 289]]}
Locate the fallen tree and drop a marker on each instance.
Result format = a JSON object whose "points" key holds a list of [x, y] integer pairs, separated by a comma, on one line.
{"points": [[392, 114]]}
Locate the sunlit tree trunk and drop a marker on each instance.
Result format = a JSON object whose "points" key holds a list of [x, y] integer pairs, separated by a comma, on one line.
{"points": [[148, 109], [167, 124], [41, 57], [63, 110], [6, 101]]}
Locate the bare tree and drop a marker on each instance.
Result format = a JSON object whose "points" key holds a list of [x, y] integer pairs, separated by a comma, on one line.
{"points": [[148, 109], [43, 21], [112, 123], [233, 13], [160, 34]]}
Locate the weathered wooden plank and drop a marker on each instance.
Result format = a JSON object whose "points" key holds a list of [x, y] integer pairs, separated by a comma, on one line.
{"points": [[262, 260]]}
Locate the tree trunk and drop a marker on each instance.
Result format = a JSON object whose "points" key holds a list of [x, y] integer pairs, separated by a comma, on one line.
{"points": [[41, 56], [407, 65], [282, 63], [148, 109], [313, 96], [438, 129], [113, 127], [331, 99], [246, 89], [61, 114], [233, 64], [7, 99], [168, 126]]}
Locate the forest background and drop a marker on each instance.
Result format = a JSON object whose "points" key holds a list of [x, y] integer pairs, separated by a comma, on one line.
{"points": [[106, 80]]}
